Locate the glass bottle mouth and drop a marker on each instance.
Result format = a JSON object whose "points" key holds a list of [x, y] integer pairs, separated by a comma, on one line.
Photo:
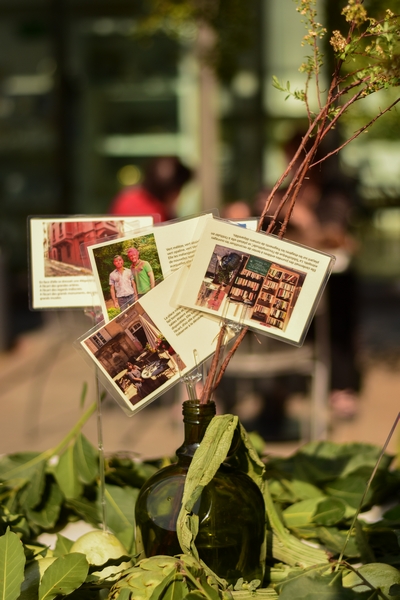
{"points": [[192, 410], [196, 404]]}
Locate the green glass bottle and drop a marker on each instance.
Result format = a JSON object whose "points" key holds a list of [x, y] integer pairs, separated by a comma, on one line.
{"points": [[231, 537]]}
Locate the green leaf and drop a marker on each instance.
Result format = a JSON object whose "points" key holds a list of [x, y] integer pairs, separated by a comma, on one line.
{"points": [[24, 472], [247, 458], [30, 586], [85, 509], [63, 545], [86, 459], [311, 585], [329, 512], [349, 489], [47, 513], [83, 394], [281, 492], [122, 470], [64, 576], [32, 494], [366, 552], [329, 460], [208, 591], [16, 522], [172, 587], [277, 84], [12, 563], [393, 514], [208, 457], [300, 513], [125, 594], [120, 511], [66, 474], [378, 575], [127, 538], [334, 540], [302, 490], [19, 466], [120, 506]]}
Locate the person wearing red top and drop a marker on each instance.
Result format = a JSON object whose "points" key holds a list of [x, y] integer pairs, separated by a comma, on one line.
{"points": [[164, 178]]}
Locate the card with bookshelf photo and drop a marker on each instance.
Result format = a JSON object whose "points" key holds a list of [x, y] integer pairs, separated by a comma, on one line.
{"points": [[266, 283]]}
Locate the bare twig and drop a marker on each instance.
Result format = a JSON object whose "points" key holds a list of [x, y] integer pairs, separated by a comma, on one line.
{"points": [[358, 83], [357, 133], [228, 357], [209, 384]]}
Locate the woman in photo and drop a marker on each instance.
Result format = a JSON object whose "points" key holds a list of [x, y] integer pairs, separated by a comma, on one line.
{"points": [[134, 375]]}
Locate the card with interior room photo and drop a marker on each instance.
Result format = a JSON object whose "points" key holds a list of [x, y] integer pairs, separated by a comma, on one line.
{"points": [[266, 283], [127, 268], [150, 346], [60, 272]]}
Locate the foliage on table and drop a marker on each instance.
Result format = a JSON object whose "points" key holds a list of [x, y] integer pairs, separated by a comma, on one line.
{"points": [[311, 499]]}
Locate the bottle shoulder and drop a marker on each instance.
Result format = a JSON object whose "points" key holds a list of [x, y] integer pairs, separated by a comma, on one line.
{"points": [[228, 478]]}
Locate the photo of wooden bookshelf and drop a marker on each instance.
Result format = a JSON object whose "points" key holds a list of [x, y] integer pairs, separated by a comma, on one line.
{"points": [[245, 288], [261, 290], [247, 284], [277, 296]]}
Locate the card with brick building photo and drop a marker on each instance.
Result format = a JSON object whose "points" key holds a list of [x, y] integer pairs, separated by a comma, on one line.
{"points": [[61, 275], [268, 284]]}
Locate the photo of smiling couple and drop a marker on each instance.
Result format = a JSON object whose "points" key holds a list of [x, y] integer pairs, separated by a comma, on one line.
{"points": [[129, 284]]}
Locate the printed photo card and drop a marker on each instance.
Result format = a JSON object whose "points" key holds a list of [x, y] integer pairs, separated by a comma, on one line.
{"points": [[60, 271], [149, 346], [265, 283], [126, 268]]}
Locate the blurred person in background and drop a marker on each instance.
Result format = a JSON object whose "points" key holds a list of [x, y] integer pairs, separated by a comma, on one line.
{"points": [[321, 219], [164, 177], [238, 209]]}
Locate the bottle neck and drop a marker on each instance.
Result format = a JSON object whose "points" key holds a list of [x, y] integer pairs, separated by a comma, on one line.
{"points": [[196, 418]]}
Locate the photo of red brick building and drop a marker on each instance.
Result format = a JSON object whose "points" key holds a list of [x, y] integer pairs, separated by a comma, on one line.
{"points": [[67, 240]]}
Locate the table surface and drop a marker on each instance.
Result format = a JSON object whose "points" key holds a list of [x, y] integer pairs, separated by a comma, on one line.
{"points": [[153, 369]]}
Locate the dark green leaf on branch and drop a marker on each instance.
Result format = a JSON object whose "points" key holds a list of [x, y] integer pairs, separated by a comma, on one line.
{"points": [[67, 475], [64, 576], [12, 563], [47, 512], [329, 512], [63, 545], [86, 460]]}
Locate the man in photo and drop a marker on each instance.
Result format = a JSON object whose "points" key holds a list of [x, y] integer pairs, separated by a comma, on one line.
{"points": [[142, 272], [122, 286]]}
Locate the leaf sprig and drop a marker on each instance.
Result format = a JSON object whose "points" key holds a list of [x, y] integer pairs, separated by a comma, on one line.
{"points": [[367, 60]]}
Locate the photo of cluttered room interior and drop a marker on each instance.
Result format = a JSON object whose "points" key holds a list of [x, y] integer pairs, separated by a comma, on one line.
{"points": [[134, 354]]}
